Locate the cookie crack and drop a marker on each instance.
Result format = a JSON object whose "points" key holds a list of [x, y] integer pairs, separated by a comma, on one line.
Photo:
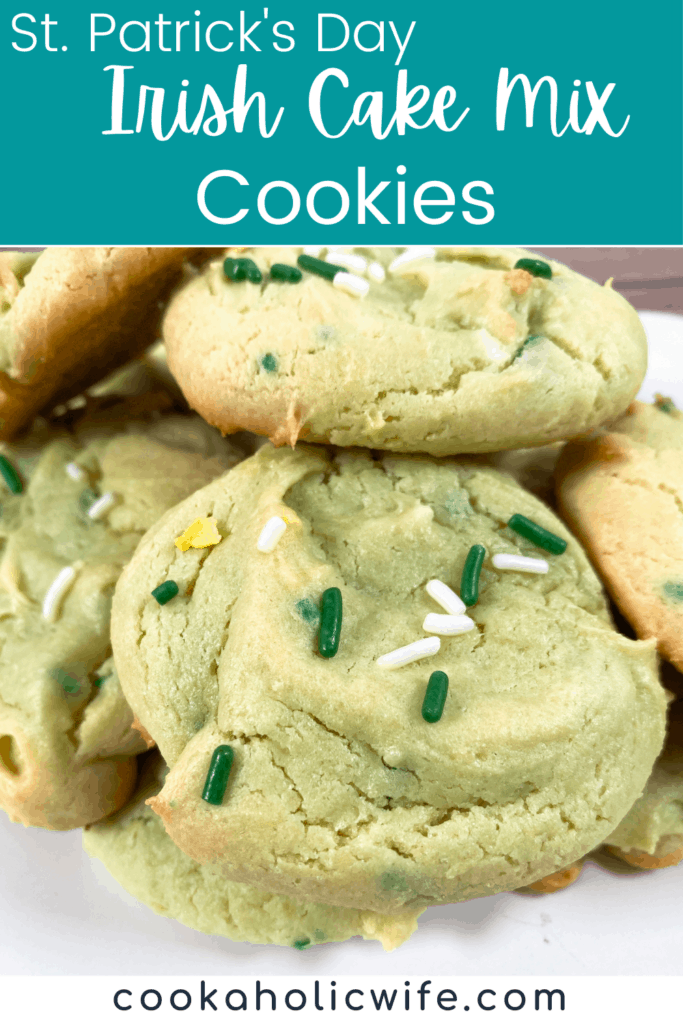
{"points": [[345, 739], [673, 494], [347, 834], [289, 779], [597, 362]]}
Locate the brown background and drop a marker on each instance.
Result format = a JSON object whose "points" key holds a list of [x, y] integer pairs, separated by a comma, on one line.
{"points": [[648, 278]]}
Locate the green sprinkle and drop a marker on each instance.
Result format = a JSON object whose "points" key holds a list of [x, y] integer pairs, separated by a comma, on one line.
{"points": [[269, 362], [319, 267], [533, 339], [67, 682], [307, 610], [10, 476], [469, 581], [99, 680], [301, 943], [457, 505], [330, 622], [218, 775], [283, 272], [393, 881], [165, 591], [664, 404], [435, 697], [253, 273], [537, 268], [241, 270], [674, 590], [87, 498], [538, 535], [234, 269]]}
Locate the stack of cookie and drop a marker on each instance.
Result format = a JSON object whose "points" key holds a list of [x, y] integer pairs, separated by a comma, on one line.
{"points": [[378, 671], [66, 744]]}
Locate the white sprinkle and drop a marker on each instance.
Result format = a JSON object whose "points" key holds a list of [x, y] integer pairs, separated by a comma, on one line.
{"points": [[56, 592], [424, 648], [446, 597], [376, 272], [412, 255], [447, 625], [313, 250], [75, 471], [100, 508], [271, 534], [350, 260], [352, 284], [519, 562]]}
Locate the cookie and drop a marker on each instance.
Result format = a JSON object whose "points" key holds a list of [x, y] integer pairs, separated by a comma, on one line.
{"points": [[87, 487], [622, 493], [70, 315], [353, 784], [457, 353], [135, 849], [651, 834], [558, 880]]}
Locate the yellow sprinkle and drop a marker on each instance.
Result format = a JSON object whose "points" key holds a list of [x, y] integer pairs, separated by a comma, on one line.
{"points": [[202, 533]]}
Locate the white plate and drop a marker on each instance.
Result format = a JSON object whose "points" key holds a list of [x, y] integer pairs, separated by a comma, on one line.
{"points": [[63, 914]]}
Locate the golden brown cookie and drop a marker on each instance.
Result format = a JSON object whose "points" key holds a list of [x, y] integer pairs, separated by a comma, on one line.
{"points": [[621, 492], [558, 880], [68, 316], [456, 351], [668, 852]]}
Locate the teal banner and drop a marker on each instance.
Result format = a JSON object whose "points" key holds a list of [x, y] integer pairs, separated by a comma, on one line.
{"points": [[365, 123]]}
